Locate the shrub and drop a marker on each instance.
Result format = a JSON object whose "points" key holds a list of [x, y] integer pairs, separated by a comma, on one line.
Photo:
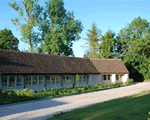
{"points": [[12, 96], [102, 86], [129, 82]]}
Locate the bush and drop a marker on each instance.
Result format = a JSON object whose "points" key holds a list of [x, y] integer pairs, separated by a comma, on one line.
{"points": [[12, 96], [129, 82]]}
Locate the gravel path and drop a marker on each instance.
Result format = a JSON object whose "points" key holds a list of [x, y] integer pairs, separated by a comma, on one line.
{"points": [[43, 109]]}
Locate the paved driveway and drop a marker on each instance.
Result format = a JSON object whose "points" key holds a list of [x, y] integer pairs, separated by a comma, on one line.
{"points": [[43, 109]]}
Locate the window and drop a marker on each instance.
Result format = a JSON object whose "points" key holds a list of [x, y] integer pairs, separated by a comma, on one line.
{"points": [[104, 77], [109, 77], [63, 79], [94, 77], [19, 80], [12, 81], [52, 79], [71, 77], [4, 81], [80, 80], [40, 80], [67, 79], [47, 79], [28, 80], [117, 77], [57, 79], [34, 81], [85, 78]]}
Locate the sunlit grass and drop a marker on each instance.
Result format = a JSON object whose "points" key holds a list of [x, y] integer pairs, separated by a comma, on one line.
{"points": [[147, 80], [133, 107]]}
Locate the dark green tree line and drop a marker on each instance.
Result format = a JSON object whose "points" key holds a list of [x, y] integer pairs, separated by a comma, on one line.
{"points": [[131, 44]]}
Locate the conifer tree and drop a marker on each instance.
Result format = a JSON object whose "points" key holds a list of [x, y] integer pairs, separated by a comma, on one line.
{"points": [[107, 46], [93, 38]]}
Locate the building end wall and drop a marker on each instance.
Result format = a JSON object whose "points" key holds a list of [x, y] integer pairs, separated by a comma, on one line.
{"points": [[113, 80], [125, 78]]}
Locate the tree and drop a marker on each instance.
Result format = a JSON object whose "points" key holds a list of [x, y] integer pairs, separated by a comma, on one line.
{"points": [[121, 41], [93, 38], [29, 11], [59, 28], [106, 48], [8, 40], [77, 79], [138, 42]]}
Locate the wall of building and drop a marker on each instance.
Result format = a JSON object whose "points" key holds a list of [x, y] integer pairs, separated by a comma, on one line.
{"points": [[98, 79], [125, 78], [92, 80], [113, 78]]}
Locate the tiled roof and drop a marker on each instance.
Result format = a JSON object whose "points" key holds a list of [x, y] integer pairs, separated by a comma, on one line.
{"points": [[12, 62], [109, 65], [27, 63]]}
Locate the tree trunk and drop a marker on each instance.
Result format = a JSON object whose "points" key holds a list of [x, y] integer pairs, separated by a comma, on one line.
{"points": [[30, 46]]}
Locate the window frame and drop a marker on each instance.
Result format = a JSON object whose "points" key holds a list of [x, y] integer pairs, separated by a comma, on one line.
{"points": [[109, 77], [104, 77], [3, 82], [57, 78], [117, 76], [35, 77], [53, 81], [41, 80], [47, 81], [20, 80], [12, 82], [27, 83]]}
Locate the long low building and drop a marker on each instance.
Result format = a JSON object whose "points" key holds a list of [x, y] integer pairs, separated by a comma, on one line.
{"points": [[19, 70]]}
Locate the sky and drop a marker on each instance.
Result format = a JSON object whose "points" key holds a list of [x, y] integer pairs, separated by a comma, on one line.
{"points": [[107, 14]]}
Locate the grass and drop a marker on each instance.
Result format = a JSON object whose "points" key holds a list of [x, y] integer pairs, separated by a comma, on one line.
{"points": [[133, 107], [147, 80]]}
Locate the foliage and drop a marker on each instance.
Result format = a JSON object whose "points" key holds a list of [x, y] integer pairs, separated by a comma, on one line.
{"points": [[147, 80], [29, 11], [77, 77], [129, 82], [13, 96], [138, 50], [106, 48], [93, 38], [59, 29], [8, 40]]}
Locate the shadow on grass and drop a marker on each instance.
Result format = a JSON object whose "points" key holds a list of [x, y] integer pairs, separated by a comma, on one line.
{"points": [[136, 107]]}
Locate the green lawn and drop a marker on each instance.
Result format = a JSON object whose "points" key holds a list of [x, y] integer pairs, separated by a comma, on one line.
{"points": [[147, 80], [134, 107]]}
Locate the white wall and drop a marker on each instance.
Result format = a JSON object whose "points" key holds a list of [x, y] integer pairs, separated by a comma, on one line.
{"points": [[125, 77], [113, 78]]}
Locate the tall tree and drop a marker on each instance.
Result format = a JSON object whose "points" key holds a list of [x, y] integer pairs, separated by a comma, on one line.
{"points": [[59, 29], [93, 38], [138, 51], [107, 46], [29, 11], [8, 40], [121, 46]]}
